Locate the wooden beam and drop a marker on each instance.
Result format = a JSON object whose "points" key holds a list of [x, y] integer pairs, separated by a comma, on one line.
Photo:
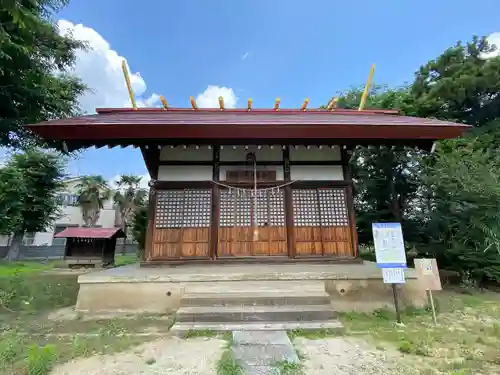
{"points": [[367, 88], [332, 105], [290, 230], [352, 220], [148, 246], [304, 105], [151, 156], [277, 104], [193, 102], [221, 103], [215, 213], [164, 102], [129, 84], [250, 104]]}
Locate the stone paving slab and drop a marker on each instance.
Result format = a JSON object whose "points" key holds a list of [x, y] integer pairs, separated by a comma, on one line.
{"points": [[261, 370], [261, 338], [259, 351]]}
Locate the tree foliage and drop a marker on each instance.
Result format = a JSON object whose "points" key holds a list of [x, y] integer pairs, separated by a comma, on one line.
{"points": [[140, 225], [34, 64], [93, 192], [30, 184], [128, 197]]}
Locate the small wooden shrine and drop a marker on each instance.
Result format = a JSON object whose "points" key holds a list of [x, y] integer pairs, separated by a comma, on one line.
{"points": [[90, 247]]}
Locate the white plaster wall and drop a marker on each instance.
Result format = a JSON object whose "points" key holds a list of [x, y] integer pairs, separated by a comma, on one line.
{"points": [[316, 172], [185, 173], [190, 153], [238, 153], [314, 153], [224, 168]]}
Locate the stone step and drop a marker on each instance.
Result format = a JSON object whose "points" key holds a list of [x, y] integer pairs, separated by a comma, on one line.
{"points": [[255, 299], [289, 287], [228, 314], [183, 328]]}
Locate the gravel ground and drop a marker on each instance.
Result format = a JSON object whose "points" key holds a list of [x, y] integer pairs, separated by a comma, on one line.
{"points": [[171, 356], [341, 356]]}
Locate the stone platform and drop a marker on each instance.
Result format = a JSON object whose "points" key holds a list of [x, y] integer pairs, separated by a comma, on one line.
{"points": [[348, 287]]}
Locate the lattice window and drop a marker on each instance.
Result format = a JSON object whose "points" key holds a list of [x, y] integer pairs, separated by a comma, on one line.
{"points": [[237, 208], [333, 207], [183, 208], [305, 208], [320, 207]]}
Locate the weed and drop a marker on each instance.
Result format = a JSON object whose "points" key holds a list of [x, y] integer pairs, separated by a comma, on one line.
{"points": [[289, 368], [201, 333], [40, 359], [228, 365], [150, 361], [313, 334]]}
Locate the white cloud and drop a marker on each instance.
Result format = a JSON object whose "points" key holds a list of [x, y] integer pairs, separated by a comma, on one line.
{"points": [[493, 39], [210, 97], [100, 69], [245, 55]]}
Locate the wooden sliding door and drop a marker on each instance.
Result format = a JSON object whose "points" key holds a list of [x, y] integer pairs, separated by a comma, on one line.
{"points": [[182, 224], [321, 222], [251, 227]]}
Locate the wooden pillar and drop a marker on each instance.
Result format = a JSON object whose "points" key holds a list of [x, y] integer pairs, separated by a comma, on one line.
{"points": [[346, 157], [151, 155], [214, 218], [290, 235]]}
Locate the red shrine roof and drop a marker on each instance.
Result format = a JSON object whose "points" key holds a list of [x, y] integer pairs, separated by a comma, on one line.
{"points": [[128, 126], [85, 232]]}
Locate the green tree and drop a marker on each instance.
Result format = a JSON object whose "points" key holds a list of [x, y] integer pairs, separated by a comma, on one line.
{"points": [[140, 225], [128, 197], [387, 178], [34, 64], [30, 185], [464, 222], [93, 192], [460, 85]]}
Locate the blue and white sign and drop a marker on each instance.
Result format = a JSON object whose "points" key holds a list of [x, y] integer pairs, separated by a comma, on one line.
{"points": [[389, 245]]}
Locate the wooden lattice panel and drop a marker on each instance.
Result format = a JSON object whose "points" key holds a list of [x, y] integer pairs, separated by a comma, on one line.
{"points": [[333, 207], [235, 208], [183, 208], [321, 222], [270, 208], [182, 224], [305, 208]]}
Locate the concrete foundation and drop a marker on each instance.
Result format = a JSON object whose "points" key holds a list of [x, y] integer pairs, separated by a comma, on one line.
{"points": [[353, 287]]}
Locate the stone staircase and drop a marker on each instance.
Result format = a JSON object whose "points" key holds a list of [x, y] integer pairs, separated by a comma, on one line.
{"points": [[254, 306]]}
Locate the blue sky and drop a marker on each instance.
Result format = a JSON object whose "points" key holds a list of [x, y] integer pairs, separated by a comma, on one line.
{"points": [[263, 50]]}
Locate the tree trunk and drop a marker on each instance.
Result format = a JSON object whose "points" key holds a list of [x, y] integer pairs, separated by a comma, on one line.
{"points": [[124, 245], [14, 247]]}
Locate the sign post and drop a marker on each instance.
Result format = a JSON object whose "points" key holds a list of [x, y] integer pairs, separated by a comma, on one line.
{"points": [[391, 256], [428, 273]]}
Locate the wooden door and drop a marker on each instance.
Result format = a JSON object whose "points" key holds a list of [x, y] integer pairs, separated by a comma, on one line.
{"points": [[321, 222], [182, 224], [251, 227]]}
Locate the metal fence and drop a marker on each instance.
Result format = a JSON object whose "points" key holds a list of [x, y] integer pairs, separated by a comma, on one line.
{"points": [[56, 251]]}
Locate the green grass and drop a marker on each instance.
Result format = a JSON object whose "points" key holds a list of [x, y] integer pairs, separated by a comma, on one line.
{"points": [[228, 365], [8, 269], [313, 334], [289, 368], [122, 260], [31, 344], [466, 339]]}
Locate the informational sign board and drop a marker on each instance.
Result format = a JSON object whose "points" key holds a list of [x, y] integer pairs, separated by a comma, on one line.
{"points": [[428, 273], [393, 275], [389, 245]]}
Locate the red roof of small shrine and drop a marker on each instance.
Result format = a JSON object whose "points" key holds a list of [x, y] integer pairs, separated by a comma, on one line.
{"points": [[90, 233]]}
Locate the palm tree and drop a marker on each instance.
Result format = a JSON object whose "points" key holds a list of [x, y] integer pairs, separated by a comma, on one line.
{"points": [[93, 191], [128, 197]]}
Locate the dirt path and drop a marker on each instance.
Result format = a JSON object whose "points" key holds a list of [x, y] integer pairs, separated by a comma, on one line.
{"points": [[171, 356], [343, 356]]}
